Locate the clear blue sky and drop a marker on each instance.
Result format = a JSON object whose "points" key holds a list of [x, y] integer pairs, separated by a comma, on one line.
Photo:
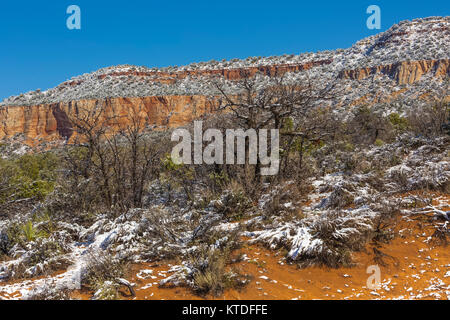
{"points": [[38, 51]]}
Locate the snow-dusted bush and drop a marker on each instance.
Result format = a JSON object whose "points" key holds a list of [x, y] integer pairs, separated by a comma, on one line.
{"points": [[48, 292], [326, 238], [205, 269], [232, 204], [100, 274]]}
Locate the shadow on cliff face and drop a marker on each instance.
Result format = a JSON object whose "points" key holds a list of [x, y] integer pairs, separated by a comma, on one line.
{"points": [[63, 125]]}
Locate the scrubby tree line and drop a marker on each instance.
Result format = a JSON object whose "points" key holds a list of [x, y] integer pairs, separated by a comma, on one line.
{"points": [[112, 160]]}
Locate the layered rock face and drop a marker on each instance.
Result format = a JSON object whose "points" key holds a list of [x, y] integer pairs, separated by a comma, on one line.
{"points": [[52, 121], [403, 63], [405, 72]]}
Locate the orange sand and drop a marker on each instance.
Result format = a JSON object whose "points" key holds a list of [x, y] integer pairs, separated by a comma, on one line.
{"points": [[411, 265]]}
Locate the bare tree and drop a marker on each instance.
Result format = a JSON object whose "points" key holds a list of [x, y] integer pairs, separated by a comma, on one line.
{"points": [[119, 156], [316, 126], [367, 125], [258, 102], [432, 118], [90, 127]]}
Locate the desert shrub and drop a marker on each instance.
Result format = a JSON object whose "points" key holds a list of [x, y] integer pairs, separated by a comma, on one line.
{"points": [[341, 233], [178, 176], [363, 166], [107, 290], [163, 232], [43, 250], [445, 187], [376, 180], [29, 232], [20, 234], [429, 120], [48, 292], [379, 142], [9, 237], [210, 272], [341, 195], [441, 235], [385, 222], [102, 269], [17, 234], [368, 125], [399, 123], [40, 257], [4, 246], [383, 232], [210, 263], [399, 175], [233, 203], [218, 180], [280, 200], [446, 126], [30, 176], [325, 238]]}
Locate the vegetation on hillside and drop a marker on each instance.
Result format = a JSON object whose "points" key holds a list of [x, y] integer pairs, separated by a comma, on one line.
{"points": [[116, 191]]}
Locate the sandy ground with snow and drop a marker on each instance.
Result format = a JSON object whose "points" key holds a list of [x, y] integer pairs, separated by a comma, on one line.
{"points": [[412, 267]]}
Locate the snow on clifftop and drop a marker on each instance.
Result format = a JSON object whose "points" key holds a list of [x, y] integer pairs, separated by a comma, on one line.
{"points": [[419, 39]]}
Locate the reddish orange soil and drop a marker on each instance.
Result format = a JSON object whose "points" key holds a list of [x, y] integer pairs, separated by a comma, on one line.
{"points": [[413, 266], [409, 268], [28, 283], [289, 282]]}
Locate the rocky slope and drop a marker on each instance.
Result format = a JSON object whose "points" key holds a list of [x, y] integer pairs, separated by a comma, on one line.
{"points": [[405, 62]]}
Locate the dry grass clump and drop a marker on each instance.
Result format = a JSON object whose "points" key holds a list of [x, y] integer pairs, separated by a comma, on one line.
{"points": [[101, 274], [234, 203], [441, 235], [212, 274]]}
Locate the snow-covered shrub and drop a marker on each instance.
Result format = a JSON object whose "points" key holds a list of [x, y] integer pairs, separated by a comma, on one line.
{"points": [[48, 292], [10, 235], [399, 175], [282, 203], [163, 233], [107, 290], [426, 166], [205, 269], [101, 272], [341, 233], [232, 204], [326, 238], [46, 254], [342, 195]]}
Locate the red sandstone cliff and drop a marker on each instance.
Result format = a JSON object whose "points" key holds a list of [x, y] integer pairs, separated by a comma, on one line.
{"points": [[406, 72], [48, 122]]}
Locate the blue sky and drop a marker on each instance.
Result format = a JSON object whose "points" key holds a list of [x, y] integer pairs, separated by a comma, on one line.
{"points": [[38, 51]]}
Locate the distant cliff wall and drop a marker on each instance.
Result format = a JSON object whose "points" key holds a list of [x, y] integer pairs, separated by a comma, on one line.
{"points": [[49, 122]]}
